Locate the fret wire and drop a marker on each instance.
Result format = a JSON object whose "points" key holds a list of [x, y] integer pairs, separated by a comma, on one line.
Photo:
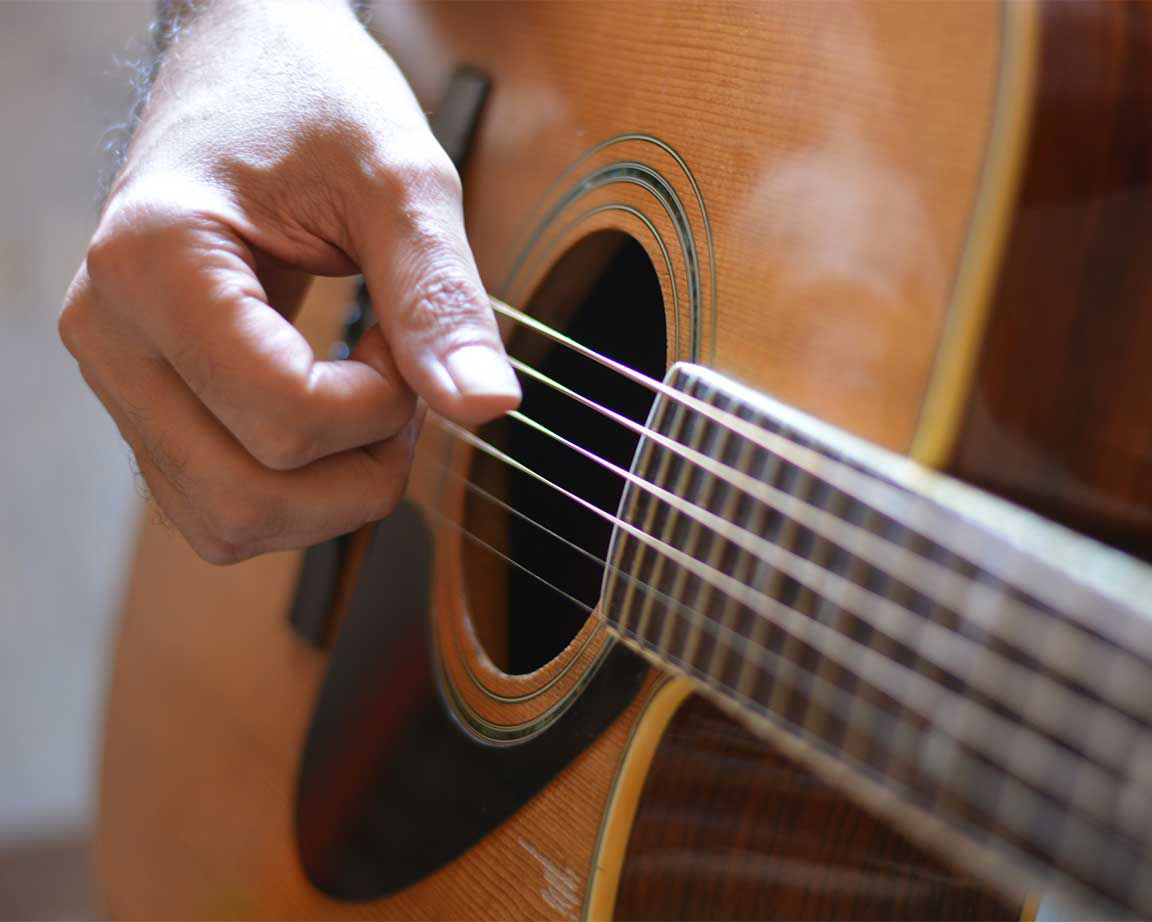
{"points": [[942, 647], [1018, 624], [892, 501], [833, 616], [667, 624], [790, 644], [691, 640], [678, 422], [659, 416], [718, 660], [856, 734], [752, 574], [697, 594]]}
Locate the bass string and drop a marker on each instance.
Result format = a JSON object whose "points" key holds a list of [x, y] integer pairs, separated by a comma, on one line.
{"points": [[894, 732], [901, 625], [872, 493], [932, 699]]}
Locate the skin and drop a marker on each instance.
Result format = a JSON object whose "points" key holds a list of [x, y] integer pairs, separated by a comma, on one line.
{"points": [[263, 158]]}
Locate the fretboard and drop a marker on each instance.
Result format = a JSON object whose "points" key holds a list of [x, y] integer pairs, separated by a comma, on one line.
{"points": [[959, 658]]}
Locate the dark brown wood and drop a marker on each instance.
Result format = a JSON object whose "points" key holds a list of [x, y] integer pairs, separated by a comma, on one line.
{"points": [[1060, 417], [727, 828]]}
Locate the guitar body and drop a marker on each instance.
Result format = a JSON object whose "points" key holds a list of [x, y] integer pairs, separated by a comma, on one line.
{"points": [[904, 219]]}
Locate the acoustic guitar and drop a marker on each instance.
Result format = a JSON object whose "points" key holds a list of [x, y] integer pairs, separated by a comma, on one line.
{"points": [[810, 579]]}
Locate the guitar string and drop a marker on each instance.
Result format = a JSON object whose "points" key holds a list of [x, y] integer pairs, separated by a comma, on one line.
{"points": [[933, 580], [835, 700], [899, 624], [868, 490], [853, 655], [1017, 625], [925, 637]]}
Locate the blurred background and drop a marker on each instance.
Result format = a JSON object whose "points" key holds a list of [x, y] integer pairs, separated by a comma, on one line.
{"points": [[67, 491]]}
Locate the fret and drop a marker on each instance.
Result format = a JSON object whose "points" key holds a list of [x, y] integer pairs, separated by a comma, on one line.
{"points": [[675, 618], [701, 593], [802, 597], [659, 416], [843, 560], [751, 573], [631, 504], [776, 584], [863, 737], [721, 651]]}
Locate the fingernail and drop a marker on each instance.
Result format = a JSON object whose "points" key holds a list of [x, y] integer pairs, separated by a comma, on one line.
{"points": [[479, 371]]}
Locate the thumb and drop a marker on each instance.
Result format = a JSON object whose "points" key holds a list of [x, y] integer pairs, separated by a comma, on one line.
{"points": [[435, 314]]}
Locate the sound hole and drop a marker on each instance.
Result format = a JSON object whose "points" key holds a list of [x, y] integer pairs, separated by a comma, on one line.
{"points": [[605, 294]]}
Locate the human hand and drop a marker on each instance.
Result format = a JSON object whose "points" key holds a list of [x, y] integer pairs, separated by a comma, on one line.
{"points": [[280, 141]]}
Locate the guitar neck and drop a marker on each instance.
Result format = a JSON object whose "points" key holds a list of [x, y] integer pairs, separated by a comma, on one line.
{"points": [[911, 635]]}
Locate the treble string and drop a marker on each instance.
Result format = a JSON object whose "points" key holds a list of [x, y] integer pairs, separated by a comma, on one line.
{"points": [[834, 699]]}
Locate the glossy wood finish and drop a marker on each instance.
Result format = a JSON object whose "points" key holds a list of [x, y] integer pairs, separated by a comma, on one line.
{"points": [[1060, 417], [728, 828], [838, 151]]}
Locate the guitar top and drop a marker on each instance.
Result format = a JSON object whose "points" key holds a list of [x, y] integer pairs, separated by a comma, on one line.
{"points": [[811, 578]]}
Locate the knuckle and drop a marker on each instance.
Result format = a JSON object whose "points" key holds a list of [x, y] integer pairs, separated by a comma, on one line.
{"points": [[424, 175], [438, 175], [447, 302], [70, 325], [117, 249], [238, 524], [389, 486], [108, 258], [283, 449], [216, 552], [129, 237]]}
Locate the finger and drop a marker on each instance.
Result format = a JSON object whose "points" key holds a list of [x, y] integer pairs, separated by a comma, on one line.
{"points": [[192, 289], [228, 505], [429, 297]]}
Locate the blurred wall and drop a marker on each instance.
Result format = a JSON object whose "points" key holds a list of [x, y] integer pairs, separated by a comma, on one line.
{"points": [[67, 494]]}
